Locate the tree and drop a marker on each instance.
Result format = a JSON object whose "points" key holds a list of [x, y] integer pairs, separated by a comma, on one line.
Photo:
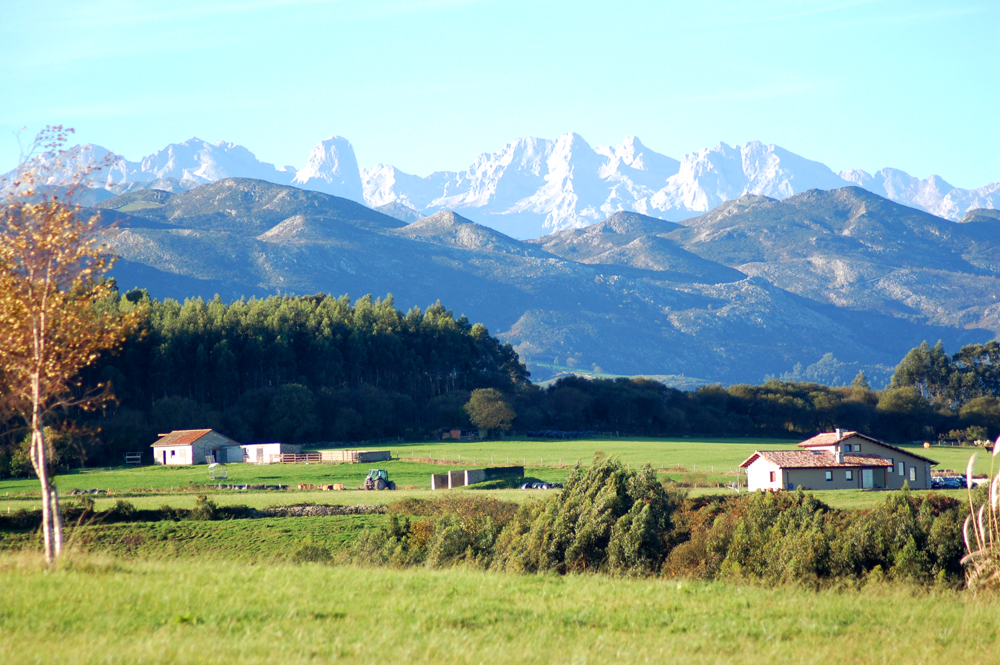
{"points": [[51, 290], [488, 409], [860, 382]]}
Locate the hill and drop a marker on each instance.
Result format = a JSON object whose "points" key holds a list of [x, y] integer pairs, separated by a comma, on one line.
{"points": [[632, 294]]}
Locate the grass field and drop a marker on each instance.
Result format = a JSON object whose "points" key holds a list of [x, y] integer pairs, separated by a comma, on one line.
{"points": [[192, 611], [699, 462], [256, 541]]}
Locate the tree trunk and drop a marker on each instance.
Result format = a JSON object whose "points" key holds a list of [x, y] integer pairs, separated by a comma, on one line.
{"points": [[51, 519], [38, 461], [57, 533]]}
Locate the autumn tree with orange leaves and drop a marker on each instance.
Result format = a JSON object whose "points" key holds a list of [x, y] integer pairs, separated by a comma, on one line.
{"points": [[52, 268]]}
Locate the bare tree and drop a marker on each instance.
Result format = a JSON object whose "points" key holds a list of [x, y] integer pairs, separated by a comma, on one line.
{"points": [[52, 268]]}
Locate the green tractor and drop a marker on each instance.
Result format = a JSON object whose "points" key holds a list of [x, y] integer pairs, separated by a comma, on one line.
{"points": [[378, 479]]}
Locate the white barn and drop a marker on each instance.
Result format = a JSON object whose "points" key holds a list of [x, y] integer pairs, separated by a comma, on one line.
{"points": [[194, 446]]}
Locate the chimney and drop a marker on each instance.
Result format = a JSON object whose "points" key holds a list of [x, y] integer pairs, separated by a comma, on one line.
{"points": [[839, 433], [840, 454]]}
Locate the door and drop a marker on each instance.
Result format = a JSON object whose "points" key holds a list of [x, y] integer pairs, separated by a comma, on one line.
{"points": [[867, 478]]}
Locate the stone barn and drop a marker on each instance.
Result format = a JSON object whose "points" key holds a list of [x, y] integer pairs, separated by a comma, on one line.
{"points": [[194, 446]]}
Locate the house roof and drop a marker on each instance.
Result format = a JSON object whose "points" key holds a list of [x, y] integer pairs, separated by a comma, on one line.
{"points": [[831, 438], [183, 437], [815, 459]]}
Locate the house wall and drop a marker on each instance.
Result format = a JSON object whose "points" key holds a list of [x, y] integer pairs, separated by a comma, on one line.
{"points": [[175, 455], [815, 479], [264, 451], [758, 476], [895, 480]]}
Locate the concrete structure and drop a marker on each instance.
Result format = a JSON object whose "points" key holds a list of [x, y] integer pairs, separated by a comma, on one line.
{"points": [[356, 456], [268, 453], [194, 446], [838, 460], [472, 476]]}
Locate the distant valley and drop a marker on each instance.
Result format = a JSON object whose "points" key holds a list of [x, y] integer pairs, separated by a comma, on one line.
{"points": [[836, 280]]}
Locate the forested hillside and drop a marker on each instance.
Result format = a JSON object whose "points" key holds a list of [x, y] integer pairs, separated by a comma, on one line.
{"points": [[323, 369], [744, 292]]}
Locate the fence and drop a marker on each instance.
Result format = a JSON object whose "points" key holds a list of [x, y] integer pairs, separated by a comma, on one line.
{"points": [[297, 458]]}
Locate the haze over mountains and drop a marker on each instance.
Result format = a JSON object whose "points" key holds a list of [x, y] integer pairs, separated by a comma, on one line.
{"points": [[838, 280], [532, 187]]}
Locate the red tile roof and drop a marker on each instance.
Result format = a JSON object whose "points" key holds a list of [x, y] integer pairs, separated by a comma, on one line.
{"points": [[181, 437], [830, 438], [808, 459]]}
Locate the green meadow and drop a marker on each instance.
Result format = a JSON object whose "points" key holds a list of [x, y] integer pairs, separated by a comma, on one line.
{"points": [[109, 610], [280, 589], [706, 465]]}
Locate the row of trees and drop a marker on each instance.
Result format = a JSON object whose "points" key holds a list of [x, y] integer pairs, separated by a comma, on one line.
{"points": [[318, 368]]}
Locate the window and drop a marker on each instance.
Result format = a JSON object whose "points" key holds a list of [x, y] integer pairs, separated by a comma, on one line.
{"points": [[913, 473], [829, 475], [891, 462], [901, 467], [173, 452], [849, 474], [771, 476]]}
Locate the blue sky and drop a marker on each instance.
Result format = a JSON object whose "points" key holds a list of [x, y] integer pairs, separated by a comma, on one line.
{"points": [[429, 84]]}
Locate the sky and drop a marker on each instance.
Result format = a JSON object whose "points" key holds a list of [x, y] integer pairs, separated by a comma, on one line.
{"points": [[428, 85]]}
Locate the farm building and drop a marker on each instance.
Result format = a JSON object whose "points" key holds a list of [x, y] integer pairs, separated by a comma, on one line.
{"points": [[838, 460], [194, 446], [268, 453]]}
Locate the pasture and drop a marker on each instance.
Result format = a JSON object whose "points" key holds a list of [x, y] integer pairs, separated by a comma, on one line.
{"points": [[94, 610], [703, 464]]}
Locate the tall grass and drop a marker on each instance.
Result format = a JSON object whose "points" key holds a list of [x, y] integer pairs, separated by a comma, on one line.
{"points": [[981, 530], [187, 611]]}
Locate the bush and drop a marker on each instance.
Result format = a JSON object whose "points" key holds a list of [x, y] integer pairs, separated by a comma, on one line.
{"points": [[607, 518], [123, 510], [204, 509]]}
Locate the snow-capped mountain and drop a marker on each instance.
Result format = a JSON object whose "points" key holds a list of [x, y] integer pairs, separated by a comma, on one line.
{"points": [[332, 168], [533, 186], [932, 194]]}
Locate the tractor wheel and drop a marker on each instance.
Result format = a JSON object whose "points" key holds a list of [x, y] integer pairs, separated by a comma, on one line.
{"points": [[380, 485], [392, 485]]}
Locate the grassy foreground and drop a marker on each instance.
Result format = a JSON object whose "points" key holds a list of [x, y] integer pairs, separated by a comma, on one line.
{"points": [[110, 611]]}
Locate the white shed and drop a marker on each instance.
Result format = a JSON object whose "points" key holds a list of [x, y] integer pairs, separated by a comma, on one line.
{"points": [[267, 453]]}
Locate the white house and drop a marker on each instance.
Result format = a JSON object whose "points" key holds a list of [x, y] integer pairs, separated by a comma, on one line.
{"points": [[194, 446], [838, 460], [267, 453]]}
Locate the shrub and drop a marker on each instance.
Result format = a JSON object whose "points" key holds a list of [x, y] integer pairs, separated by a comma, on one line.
{"points": [[123, 510], [607, 518], [204, 509]]}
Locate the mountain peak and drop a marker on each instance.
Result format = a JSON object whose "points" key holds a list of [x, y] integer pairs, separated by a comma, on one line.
{"points": [[332, 168]]}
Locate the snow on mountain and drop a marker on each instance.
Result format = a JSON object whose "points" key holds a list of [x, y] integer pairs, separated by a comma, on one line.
{"points": [[534, 186], [714, 175], [932, 193], [386, 184], [204, 162], [332, 168]]}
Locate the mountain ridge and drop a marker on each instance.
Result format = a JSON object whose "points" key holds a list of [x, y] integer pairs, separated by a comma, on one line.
{"points": [[532, 186], [638, 295]]}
